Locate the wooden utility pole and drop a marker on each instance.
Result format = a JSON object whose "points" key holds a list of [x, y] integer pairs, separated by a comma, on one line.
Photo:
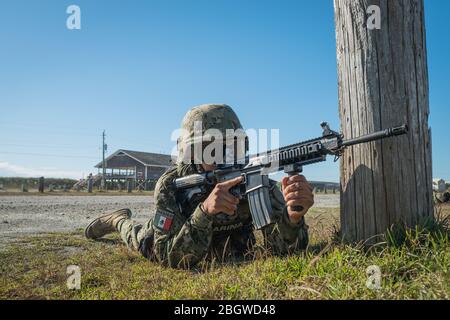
{"points": [[104, 148], [383, 82]]}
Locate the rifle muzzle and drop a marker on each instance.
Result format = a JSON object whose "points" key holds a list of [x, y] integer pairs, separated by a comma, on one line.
{"points": [[389, 132]]}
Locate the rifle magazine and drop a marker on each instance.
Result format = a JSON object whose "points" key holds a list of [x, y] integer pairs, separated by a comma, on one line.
{"points": [[260, 207]]}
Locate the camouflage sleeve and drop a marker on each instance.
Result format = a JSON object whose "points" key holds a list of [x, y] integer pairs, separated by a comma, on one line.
{"points": [[284, 236], [179, 242]]}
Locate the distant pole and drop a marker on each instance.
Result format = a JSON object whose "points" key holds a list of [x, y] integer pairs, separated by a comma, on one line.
{"points": [[104, 147], [41, 185], [90, 183]]}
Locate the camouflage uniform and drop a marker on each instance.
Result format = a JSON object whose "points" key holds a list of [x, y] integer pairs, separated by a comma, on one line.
{"points": [[193, 235]]}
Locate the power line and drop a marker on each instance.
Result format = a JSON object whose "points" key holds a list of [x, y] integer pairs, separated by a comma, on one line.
{"points": [[46, 146], [44, 130], [48, 129], [47, 155], [89, 148], [143, 143]]}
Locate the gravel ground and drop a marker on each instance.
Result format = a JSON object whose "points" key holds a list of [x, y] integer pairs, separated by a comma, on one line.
{"points": [[28, 215]]}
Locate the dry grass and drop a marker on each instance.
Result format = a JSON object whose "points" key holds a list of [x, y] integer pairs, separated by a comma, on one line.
{"points": [[418, 268]]}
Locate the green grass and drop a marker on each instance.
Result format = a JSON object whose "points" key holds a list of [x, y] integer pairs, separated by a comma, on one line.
{"points": [[415, 268]]}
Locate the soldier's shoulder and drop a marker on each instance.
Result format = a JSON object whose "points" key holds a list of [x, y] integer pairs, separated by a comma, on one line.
{"points": [[165, 183], [166, 180]]}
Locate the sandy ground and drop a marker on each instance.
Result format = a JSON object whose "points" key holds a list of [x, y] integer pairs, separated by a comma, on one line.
{"points": [[27, 215]]}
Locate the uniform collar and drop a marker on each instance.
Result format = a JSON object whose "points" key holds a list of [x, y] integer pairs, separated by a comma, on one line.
{"points": [[187, 169]]}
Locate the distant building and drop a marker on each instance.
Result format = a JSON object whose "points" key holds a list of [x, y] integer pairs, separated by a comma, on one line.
{"points": [[143, 168], [323, 186]]}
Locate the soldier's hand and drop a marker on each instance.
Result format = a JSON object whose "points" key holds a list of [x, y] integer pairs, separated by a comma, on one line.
{"points": [[297, 192], [221, 200]]}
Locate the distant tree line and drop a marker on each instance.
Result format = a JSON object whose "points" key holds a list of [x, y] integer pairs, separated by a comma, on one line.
{"points": [[32, 183]]}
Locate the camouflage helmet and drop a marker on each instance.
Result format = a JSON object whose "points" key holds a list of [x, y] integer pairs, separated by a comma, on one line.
{"points": [[201, 121]]}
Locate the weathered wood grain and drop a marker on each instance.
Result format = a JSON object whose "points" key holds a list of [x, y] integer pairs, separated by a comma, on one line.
{"points": [[383, 82]]}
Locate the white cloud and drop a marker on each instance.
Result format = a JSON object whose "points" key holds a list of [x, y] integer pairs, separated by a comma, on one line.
{"points": [[12, 169]]}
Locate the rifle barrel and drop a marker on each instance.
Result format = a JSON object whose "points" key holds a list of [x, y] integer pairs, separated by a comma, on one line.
{"points": [[390, 132]]}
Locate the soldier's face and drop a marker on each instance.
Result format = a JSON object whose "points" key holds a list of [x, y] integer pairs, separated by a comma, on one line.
{"points": [[231, 152]]}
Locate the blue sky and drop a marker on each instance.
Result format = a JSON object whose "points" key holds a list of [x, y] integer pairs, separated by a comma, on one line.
{"points": [[136, 67]]}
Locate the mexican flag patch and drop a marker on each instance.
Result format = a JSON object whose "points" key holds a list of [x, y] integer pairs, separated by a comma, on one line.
{"points": [[163, 220]]}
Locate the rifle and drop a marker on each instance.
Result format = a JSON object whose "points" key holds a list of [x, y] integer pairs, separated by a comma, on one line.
{"points": [[255, 183]]}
